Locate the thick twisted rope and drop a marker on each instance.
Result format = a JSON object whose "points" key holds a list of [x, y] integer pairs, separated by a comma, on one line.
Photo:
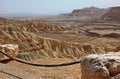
{"points": [[41, 65]]}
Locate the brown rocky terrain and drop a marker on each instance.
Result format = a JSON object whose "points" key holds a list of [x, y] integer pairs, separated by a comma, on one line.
{"points": [[113, 14], [49, 43], [3, 20]]}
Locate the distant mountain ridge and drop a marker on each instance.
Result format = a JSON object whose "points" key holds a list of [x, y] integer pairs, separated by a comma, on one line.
{"points": [[113, 14], [88, 12]]}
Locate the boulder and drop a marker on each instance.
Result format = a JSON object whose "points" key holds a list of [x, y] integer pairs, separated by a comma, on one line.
{"points": [[102, 66], [11, 49]]}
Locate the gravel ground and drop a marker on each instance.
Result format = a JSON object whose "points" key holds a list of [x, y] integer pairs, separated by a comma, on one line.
{"points": [[15, 70], [67, 72], [11, 72]]}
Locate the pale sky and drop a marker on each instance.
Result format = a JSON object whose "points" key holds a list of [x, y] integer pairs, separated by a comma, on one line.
{"points": [[51, 6]]}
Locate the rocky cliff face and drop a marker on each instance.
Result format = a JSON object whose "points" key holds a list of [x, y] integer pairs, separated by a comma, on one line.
{"points": [[112, 14], [92, 11], [88, 12]]}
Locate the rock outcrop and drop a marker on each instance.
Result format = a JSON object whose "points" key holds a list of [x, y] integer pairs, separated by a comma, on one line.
{"points": [[11, 49], [112, 14], [88, 12], [103, 66]]}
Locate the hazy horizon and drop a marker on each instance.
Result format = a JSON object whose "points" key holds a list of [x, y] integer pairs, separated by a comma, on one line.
{"points": [[54, 7]]}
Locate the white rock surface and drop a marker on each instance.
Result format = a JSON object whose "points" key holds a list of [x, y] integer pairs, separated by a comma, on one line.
{"points": [[103, 66], [11, 49]]}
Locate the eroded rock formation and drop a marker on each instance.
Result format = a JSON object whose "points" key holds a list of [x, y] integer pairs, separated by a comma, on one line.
{"points": [[113, 14], [103, 66], [11, 49], [89, 12]]}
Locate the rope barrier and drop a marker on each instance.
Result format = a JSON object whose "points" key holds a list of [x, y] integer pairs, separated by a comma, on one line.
{"points": [[41, 65]]}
